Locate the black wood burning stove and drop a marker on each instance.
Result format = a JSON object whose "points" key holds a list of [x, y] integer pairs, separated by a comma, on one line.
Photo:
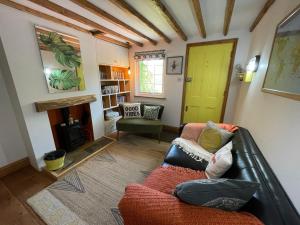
{"points": [[71, 135]]}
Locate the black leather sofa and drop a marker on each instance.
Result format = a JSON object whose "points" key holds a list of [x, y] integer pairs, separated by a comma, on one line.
{"points": [[270, 203]]}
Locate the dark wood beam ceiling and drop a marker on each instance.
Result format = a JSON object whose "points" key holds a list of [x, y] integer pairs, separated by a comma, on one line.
{"points": [[199, 17], [228, 15], [58, 21], [70, 14], [169, 18], [128, 8], [100, 35], [261, 14], [103, 14]]}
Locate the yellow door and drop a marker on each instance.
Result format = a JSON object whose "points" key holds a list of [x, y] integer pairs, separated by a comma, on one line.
{"points": [[206, 80]]}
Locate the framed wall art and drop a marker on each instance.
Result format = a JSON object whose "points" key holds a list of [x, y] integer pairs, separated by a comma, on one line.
{"points": [[174, 65], [283, 73], [61, 59]]}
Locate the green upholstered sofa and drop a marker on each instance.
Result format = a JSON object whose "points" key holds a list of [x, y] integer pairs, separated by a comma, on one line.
{"points": [[140, 125]]}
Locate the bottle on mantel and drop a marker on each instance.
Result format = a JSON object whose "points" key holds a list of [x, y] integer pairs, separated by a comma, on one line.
{"points": [[71, 120]]}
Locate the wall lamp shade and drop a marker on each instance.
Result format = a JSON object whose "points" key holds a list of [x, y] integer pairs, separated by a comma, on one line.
{"points": [[253, 64], [251, 68], [129, 71]]}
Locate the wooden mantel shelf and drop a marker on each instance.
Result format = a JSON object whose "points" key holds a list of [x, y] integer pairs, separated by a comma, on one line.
{"points": [[63, 102]]}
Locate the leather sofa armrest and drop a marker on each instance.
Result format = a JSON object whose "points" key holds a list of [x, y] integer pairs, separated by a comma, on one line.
{"points": [[144, 206]]}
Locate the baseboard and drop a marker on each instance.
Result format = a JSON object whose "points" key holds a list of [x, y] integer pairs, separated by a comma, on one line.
{"points": [[13, 167], [171, 129]]}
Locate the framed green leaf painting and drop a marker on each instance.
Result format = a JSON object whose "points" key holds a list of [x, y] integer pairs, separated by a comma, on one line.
{"points": [[283, 74], [61, 60]]}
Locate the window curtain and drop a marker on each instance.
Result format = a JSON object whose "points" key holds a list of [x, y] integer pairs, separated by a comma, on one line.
{"points": [[160, 54]]}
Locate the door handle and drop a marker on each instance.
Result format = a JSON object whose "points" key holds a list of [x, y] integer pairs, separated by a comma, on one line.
{"points": [[188, 79], [186, 108]]}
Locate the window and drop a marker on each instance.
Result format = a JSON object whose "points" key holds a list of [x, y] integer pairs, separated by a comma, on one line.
{"points": [[149, 77]]}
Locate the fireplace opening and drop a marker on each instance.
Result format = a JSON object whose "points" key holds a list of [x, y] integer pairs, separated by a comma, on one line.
{"points": [[71, 126]]}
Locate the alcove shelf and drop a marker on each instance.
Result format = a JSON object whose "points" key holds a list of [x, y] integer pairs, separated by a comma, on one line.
{"points": [[115, 89]]}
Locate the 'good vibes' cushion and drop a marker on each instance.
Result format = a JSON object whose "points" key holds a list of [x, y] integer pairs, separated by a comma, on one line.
{"points": [[132, 110]]}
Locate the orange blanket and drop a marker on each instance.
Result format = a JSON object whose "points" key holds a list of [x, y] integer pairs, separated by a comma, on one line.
{"points": [[153, 203]]}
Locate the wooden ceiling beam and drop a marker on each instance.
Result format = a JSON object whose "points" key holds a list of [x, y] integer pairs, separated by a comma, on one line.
{"points": [[261, 14], [42, 15], [169, 18], [228, 15], [128, 8], [34, 12], [101, 36], [199, 16], [103, 14], [74, 16]]}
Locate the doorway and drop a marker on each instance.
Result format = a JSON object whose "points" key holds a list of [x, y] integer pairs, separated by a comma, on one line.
{"points": [[207, 78]]}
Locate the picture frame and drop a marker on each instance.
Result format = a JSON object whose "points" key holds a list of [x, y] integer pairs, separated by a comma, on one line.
{"points": [[61, 60], [174, 65], [283, 73]]}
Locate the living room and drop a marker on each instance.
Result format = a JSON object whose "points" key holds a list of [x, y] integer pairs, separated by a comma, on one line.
{"points": [[111, 111]]}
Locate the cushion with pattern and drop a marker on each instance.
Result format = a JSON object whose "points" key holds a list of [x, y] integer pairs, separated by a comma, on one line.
{"points": [[151, 112], [226, 194], [220, 162]]}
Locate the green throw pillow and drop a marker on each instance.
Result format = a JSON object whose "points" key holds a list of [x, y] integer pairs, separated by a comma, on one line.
{"points": [[210, 139], [151, 112]]}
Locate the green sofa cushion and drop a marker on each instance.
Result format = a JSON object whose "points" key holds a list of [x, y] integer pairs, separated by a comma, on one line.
{"points": [[139, 125], [140, 121]]}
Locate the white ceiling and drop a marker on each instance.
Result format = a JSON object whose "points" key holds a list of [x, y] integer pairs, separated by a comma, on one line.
{"points": [[213, 11]]}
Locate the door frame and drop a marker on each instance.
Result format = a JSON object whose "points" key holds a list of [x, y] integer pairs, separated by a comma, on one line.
{"points": [[229, 74]]}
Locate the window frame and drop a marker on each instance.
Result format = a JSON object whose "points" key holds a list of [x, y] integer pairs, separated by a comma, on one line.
{"points": [[138, 93]]}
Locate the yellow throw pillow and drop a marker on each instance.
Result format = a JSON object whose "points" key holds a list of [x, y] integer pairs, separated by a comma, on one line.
{"points": [[210, 139]]}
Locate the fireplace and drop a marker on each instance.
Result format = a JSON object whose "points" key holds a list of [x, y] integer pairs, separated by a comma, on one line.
{"points": [[71, 126]]}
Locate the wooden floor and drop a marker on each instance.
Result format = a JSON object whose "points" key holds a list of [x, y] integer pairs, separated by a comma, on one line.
{"points": [[14, 191]]}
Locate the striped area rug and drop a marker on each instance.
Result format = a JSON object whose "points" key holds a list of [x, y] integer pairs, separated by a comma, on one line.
{"points": [[90, 193]]}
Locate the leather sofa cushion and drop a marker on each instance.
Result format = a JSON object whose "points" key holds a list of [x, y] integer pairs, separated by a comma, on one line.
{"points": [[177, 157]]}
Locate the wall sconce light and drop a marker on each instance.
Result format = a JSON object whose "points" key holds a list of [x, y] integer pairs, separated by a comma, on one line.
{"points": [[253, 64], [252, 67], [129, 71]]}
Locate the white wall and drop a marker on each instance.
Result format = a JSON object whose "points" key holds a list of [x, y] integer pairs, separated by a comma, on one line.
{"points": [[174, 83], [24, 62], [273, 121], [111, 54], [12, 146]]}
